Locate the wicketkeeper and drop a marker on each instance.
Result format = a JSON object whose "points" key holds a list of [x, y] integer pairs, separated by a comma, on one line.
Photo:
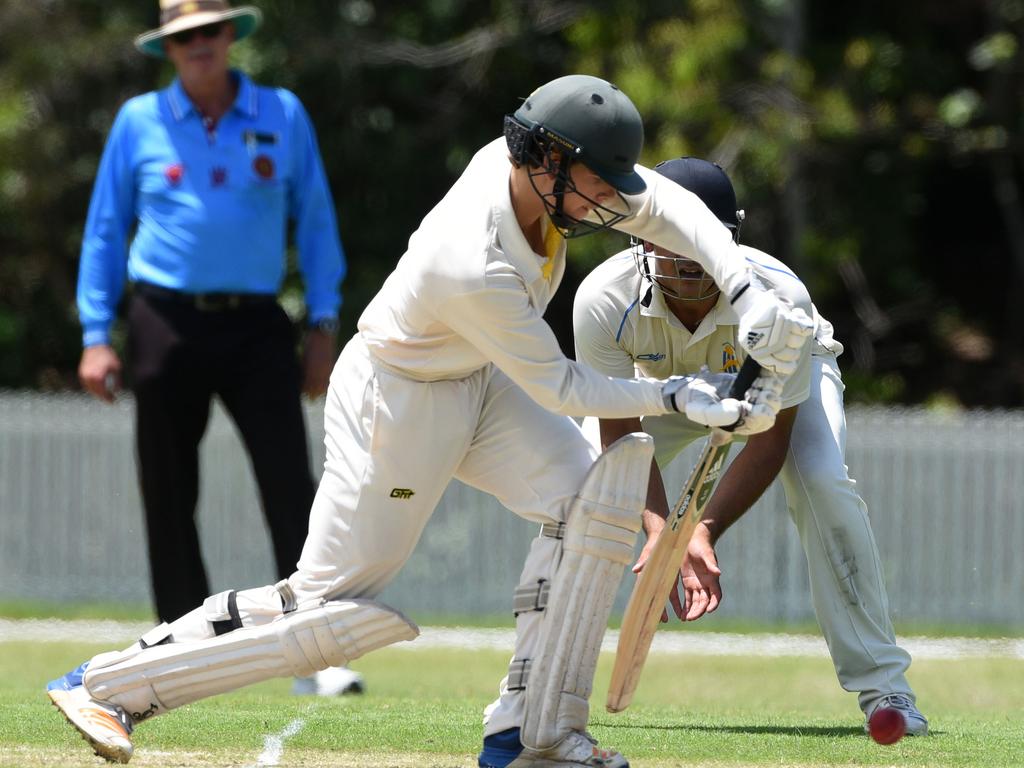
{"points": [[455, 373], [651, 311]]}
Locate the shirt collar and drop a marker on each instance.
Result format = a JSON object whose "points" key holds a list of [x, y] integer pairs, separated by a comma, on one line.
{"points": [[510, 235], [653, 304], [246, 102], [721, 314]]}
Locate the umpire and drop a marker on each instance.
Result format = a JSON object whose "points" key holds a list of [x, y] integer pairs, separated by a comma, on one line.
{"points": [[191, 205]]}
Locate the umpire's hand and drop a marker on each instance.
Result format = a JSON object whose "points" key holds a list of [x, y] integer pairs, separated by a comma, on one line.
{"points": [[317, 362], [100, 371]]}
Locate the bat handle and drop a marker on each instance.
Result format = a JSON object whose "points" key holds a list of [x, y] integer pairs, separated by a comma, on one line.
{"points": [[749, 371]]}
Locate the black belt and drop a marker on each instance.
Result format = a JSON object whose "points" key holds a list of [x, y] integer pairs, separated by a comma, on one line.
{"points": [[204, 302]]}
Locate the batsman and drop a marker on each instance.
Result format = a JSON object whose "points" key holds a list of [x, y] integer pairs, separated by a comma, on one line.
{"points": [[655, 311], [455, 373]]}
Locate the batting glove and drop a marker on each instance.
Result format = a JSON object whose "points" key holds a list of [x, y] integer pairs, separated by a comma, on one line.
{"points": [[772, 330], [761, 406], [699, 400]]}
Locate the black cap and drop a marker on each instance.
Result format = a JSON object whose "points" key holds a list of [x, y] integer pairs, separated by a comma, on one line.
{"points": [[708, 182]]}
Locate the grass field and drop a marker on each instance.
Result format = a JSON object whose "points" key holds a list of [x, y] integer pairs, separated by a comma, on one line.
{"points": [[423, 709]]}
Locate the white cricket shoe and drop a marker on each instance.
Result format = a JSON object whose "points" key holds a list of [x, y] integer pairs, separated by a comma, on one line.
{"points": [[333, 681], [917, 724], [576, 749], [105, 726]]}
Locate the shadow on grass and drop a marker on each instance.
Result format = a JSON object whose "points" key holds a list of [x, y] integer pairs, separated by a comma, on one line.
{"points": [[781, 730]]}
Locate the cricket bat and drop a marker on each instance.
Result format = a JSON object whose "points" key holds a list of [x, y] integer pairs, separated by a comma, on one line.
{"points": [[658, 578]]}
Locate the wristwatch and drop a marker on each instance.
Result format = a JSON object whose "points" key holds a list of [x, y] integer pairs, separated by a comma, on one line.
{"points": [[328, 325]]}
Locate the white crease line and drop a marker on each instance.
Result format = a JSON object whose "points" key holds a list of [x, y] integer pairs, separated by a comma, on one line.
{"points": [[686, 642], [732, 644], [273, 746]]}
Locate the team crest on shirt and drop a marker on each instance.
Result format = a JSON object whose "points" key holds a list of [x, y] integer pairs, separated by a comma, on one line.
{"points": [[730, 361], [174, 173], [264, 167]]}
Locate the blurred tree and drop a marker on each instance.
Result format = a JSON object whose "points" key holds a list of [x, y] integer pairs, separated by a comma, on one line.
{"points": [[67, 67], [877, 149]]}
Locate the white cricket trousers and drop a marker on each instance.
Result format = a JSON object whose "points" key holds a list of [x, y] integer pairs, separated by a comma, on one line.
{"points": [[393, 445], [845, 574]]}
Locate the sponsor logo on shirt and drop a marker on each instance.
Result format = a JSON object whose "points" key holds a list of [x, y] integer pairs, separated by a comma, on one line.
{"points": [[402, 493], [654, 356]]}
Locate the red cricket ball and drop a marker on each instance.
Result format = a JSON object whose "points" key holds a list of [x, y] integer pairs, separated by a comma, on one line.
{"points": [[887, 725]]}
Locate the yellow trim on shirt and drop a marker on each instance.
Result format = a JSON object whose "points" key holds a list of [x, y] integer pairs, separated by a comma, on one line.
{"points": [[552, 243]]}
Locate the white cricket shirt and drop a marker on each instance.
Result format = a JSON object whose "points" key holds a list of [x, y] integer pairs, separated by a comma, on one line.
{"points": [[470, 291], [623, 327]]}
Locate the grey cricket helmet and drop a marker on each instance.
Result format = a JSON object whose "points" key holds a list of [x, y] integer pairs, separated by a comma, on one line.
{"points": [[588, 118]]}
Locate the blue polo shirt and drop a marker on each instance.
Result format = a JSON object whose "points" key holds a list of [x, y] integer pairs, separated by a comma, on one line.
{"points": [[209, 210]]}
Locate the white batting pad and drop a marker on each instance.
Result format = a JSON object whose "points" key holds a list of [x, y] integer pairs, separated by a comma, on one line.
{"points": [[326, 634], [598, 544]]}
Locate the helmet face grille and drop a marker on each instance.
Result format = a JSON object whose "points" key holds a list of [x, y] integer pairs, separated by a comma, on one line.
{"points": [[544, 152], [674, 276], [600, 217]]}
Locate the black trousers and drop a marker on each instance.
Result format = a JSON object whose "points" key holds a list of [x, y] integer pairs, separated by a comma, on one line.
{"points": [[178, 358]]}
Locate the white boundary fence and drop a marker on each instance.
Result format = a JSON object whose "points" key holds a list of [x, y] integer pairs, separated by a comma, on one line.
{"points": [[944, 493]]}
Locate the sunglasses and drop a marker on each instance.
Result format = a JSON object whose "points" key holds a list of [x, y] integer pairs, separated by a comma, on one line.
{"points": [[209, 31]]}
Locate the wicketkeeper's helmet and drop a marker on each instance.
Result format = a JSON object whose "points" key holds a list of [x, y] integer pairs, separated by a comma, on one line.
{"points": [[579, 118], [710, 183], [672, 274]]}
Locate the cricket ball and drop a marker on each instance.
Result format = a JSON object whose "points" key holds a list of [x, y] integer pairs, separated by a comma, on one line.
{"points": [[887, 725]]}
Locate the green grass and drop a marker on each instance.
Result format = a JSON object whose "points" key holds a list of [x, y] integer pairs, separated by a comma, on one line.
{"points": [[423, 709], [35, 609]]}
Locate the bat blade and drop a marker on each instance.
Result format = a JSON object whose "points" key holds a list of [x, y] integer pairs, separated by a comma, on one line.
{"points": [[656, 581], [658, 578]]}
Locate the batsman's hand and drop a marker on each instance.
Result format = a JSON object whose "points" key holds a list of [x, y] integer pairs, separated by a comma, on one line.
{"points": [[100, 371], [699, 400], [702, 587], [760, 406], [772, 330]]}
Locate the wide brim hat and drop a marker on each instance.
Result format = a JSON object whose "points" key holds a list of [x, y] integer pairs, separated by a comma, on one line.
{"points": [[179, 15]]}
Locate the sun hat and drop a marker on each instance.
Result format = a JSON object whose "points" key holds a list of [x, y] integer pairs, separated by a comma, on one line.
{"points": [[179, 15]]}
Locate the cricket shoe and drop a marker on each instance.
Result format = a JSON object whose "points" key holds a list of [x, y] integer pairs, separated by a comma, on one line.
{"points": [[105, 726], [577, 750], [917, 724], [333, 681], [500, 749]]}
